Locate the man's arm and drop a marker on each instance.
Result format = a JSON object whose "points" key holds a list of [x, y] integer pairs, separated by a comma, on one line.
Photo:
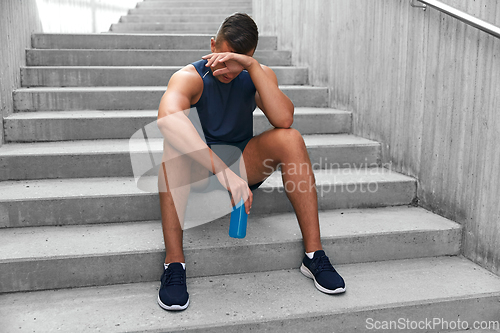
{"points": [[183, 87], [173, 122], [277, 107]]}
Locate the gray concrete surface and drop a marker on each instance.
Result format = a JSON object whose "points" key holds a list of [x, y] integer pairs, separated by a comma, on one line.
{"points": [[133, 57], [134, 41], [203, 28], [75, 232], [92, 76], [221, 5], [187, 11], [101, 200], [130, 98], [111, 158], [92, 125], [76, 256], [172, 18], [279, 301]]}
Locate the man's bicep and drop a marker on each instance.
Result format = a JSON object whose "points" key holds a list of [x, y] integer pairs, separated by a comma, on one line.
{"points": [[172, 102], [258, 101], [271, 75]]}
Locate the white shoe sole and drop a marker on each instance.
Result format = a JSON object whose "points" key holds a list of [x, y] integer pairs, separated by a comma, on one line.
{"points": [[172, 307], [310, 275]]}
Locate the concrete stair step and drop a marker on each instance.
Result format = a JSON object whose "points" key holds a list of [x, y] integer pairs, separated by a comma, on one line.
{"points": [[103, 57], [131, 98], [118, 199], [212, 1], [311, 120], [188, 27], [173, 18], [416, 290], [479, 330], [134, 41], [196, 4], [111, 158], [77, 256], [94, 125], [93, 76], [189, 11]]}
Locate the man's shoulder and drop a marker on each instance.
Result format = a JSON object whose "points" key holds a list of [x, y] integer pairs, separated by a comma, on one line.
{"points": [[186, 75], [267, 70], [188, 71], [187, 82]]}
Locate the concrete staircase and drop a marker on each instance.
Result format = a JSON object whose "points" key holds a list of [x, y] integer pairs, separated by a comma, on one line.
{"points": [[81, 246], [160, 16]]}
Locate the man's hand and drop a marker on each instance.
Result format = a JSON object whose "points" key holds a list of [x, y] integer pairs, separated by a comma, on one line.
{"points": [[237, 186], [234, 62]]}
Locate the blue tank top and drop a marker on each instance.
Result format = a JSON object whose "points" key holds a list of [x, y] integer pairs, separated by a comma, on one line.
{"points": [[225, 109]]}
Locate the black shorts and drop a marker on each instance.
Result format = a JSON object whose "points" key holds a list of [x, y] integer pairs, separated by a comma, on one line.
{"points": [[230, 153]]}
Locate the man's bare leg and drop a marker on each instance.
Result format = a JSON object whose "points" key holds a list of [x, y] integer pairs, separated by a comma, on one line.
{"points": [[286, 147], [173, 176]]}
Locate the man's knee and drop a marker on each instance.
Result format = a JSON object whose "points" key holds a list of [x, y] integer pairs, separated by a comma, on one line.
{"points": [[289, 137]]}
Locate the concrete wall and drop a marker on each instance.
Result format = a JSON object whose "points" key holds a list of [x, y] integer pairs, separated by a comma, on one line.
{"points": [[18, 19], [424, 84]]}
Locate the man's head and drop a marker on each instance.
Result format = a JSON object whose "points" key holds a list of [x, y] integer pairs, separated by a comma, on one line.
{"points": [[240, 33]]}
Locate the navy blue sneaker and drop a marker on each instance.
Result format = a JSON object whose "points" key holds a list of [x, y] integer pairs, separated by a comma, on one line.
{"points": [[325, 277], [173, 293]]}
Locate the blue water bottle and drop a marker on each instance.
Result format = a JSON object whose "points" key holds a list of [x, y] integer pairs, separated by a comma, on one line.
{"points": [[238, 222]]}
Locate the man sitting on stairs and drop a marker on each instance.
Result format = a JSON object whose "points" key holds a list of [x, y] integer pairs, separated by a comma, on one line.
{"points": [[225, 87]]}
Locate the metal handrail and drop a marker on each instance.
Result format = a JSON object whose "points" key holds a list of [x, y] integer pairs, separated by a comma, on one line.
{"points": [[459, 15]]}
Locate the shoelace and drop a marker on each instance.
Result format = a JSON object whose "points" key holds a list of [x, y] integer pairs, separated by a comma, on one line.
{"points": [[322, 264], [174, 277]]}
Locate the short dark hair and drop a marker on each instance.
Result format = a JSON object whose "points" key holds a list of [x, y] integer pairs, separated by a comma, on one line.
{"points": [[240, 32]]}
